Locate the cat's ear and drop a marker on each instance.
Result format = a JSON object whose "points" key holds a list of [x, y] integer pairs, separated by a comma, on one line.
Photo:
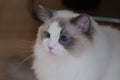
{"points": [[46, 13], [81, 23]]}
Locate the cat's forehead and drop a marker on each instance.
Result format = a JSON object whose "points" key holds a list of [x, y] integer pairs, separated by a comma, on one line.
{"points": [[54, 24], [59, 25], [54, 28], [59, 22]]}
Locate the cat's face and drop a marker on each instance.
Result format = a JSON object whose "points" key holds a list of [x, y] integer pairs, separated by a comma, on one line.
{"points": [[52, 39], [62, 36]]}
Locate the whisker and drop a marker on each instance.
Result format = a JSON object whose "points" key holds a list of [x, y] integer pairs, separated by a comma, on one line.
{"points": [[27, 59]]}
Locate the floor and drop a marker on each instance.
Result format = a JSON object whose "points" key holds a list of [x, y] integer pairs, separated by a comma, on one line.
{"points": [[18, 29]]}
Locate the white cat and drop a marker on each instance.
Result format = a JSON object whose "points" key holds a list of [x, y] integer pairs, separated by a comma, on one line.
{"points": [[72, 46]]}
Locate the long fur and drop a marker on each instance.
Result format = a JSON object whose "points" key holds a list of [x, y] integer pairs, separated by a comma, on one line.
{"points": [[100, 61]]}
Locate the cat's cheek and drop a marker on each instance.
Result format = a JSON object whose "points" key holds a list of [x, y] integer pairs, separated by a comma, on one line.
{"points": [[59, 51], [44, 44]]}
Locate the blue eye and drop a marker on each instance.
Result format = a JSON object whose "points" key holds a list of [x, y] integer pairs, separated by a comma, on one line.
{"points": [[64, 38], [46, 34]]}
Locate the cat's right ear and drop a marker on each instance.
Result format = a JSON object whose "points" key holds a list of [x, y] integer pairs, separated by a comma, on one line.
{"points": [[81, 23], [46, 13]]}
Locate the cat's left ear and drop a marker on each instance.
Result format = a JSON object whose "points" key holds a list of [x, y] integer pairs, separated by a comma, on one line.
{"points": [[81, 23], [46, 13]]}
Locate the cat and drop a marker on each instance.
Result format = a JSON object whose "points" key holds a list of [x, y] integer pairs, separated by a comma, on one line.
{"points": [[72, 46]]}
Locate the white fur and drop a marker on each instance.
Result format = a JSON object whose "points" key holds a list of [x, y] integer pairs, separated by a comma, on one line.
{"points": [[54, 31], [99, 62], [63, 13]]}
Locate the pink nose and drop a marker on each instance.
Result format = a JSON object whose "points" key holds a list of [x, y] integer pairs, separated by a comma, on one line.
{"points": [[50, 48]]}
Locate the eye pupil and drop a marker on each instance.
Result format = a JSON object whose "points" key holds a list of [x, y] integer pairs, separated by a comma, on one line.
{"points": [[47, 35], [64, 38]]}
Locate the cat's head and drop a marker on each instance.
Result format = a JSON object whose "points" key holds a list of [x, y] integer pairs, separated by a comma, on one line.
{"points": [[64, 32]]}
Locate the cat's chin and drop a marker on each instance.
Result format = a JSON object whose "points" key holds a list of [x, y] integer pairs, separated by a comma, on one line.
{"points": [[52, 54], [59, 54], [55, 54]]}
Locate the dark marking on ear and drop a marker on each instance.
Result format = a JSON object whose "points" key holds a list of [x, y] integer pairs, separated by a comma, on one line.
{"points": [[46, 12], [82, 25], [81, 22]]}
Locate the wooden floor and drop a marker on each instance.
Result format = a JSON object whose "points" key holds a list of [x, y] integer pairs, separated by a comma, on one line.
{"points": [[18, 30]]}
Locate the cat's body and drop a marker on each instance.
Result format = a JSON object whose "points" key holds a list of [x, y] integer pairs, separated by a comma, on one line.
{"points": [[72, 46], [97, 57]]}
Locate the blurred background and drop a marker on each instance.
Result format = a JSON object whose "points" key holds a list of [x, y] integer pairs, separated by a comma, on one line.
{"points": [[18, 29]]}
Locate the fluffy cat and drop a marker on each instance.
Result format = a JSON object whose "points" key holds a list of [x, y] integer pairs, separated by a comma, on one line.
{"points": [[72, 46]]}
